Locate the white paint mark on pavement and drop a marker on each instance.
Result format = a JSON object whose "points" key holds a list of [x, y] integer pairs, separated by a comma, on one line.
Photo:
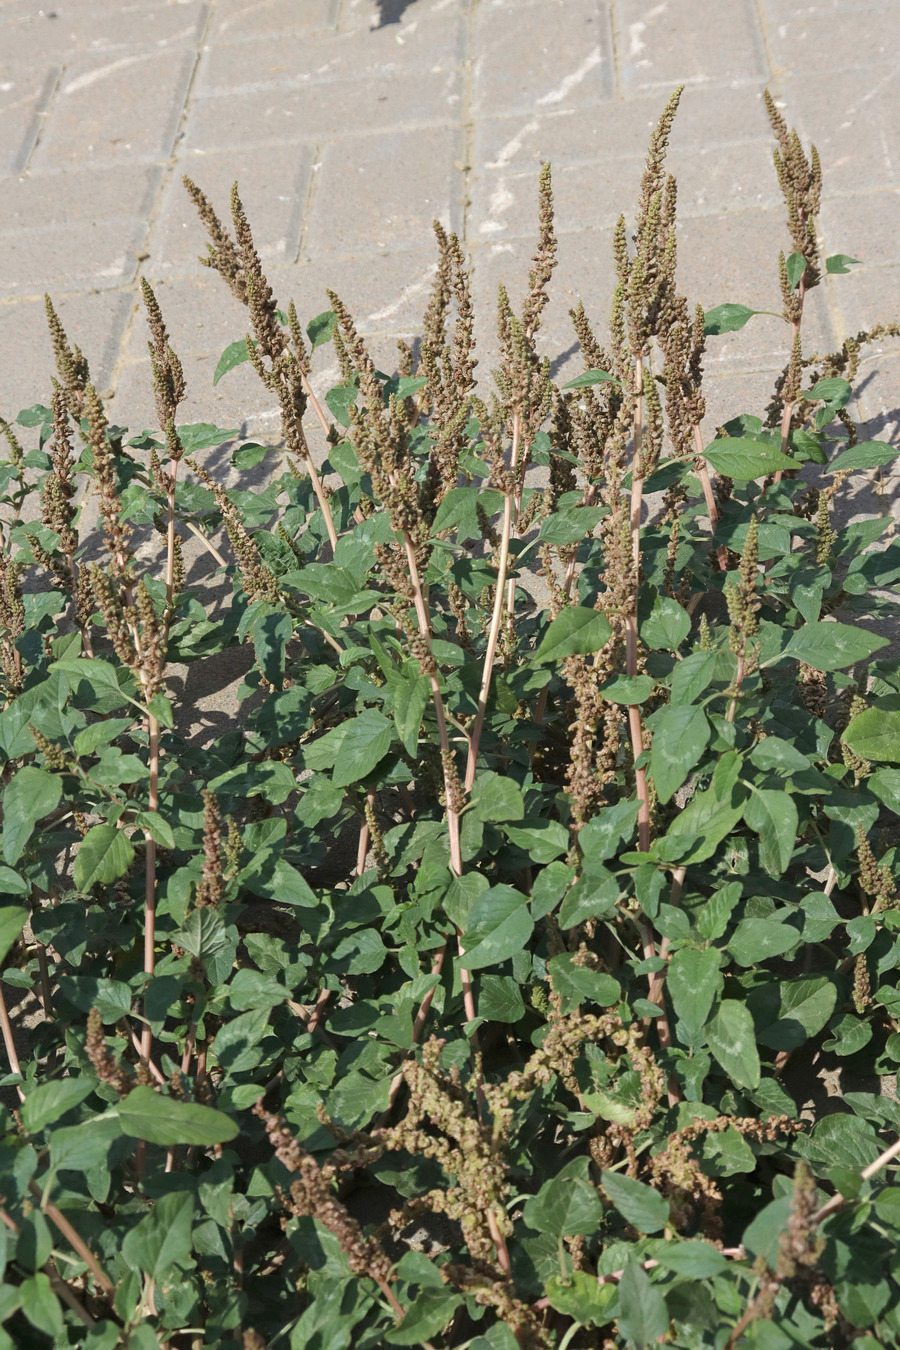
{"points": [[408, 293], [85, 81], [501, 200], [568, 84], [512, 148]]}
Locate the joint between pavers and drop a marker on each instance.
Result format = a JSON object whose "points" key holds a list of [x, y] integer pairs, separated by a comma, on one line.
{"points": [[165, 177], [468, 123], [309, 200], [763, 24], [43, 115]]}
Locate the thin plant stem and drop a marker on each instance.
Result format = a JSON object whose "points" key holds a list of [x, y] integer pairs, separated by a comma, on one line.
{"points": [[865, 1175], [60, 1288], [709, 497], [75, 1240], [497, 615], [788, 410], [11, 1053], [631, 635], [437, 699], [170, 538], [150, 874], [318, 489]]}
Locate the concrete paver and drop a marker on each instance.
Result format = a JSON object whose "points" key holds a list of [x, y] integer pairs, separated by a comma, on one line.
{"points": [[351, 124]]}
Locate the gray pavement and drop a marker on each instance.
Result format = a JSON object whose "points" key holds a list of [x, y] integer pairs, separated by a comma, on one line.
{"points": [[351, 124]]}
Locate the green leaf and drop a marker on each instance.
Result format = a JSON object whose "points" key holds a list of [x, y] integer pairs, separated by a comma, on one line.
{"points": [[833, 646], [104, 855], [773, 816], [744, 459], [32, 794], [12, 921], [667, 626], [249, 455], [589, 377], [500, 925], [565, 1206], [340, 400], [41, 1306], [732, 1040], [692, 676], [774, 754], [496, 798], [163, 1237], [500, 999], [426, 1317], [806, 1006], [91, 676], [362, 742], [796, 266], [542, 840], [640, 1205], [592, 897], [875, 734], [840, 262], [680, 735], [693, 981], [111, 998], [833, 390], [44, 1105], [320, 329], [84, 1146], [868, 455], [600, 838], [727, 319], [628, 689], [757, 940], [410, 698], [577, 631], [570, 525], [643, 1316], [574, 983], [581, 1297], [145, 1114], [235, 354], [694, 1260], [204, 436], [271, 634]]}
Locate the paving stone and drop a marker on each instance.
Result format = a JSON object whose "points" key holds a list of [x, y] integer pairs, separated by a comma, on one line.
{"points": [[823, 38], [865, 226], [95, 322], [853, 118], [273, 184], [734, 259], [68, 26], [708, 118], [327, 112], [115, 109], [240, 401], [863, 298], [93, 195], [533, 58], [715, 181], [243, 18], [62, 232], [688, 42], [365, 203], [24, 94], [285, 61]]}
